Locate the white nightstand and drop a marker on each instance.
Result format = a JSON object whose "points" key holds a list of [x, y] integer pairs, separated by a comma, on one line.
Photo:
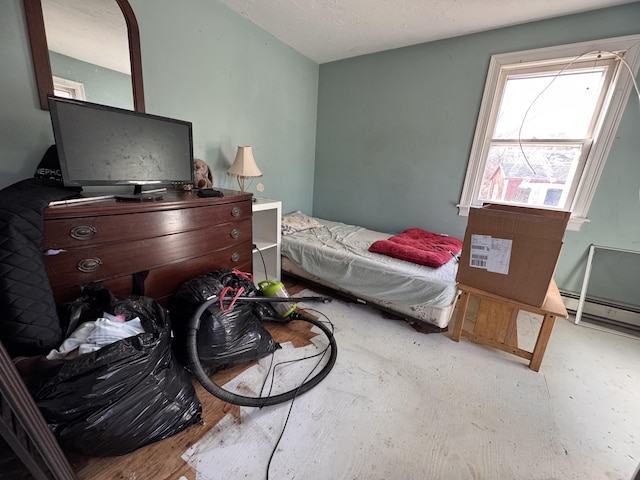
{"points": [[267, 218]]}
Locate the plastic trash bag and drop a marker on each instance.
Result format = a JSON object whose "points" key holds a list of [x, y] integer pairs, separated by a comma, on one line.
{"points": [[225, 338], [127, 394]]}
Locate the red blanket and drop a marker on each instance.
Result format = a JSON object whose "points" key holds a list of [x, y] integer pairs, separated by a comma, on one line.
{"points": [[419, 246]]}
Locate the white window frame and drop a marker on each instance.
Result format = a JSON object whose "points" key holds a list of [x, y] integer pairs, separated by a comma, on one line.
{"points": [[612, 114], [72, 88]]}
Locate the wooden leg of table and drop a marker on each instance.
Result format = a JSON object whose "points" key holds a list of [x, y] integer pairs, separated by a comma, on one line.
{"points": [[541, 343], [463, 302], [511, 335]]}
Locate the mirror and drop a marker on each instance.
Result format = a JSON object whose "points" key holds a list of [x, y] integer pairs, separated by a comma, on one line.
{"points": [[43, 15]]}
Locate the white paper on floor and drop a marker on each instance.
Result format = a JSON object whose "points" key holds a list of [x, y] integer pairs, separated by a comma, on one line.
{"points": [[396, 405]]}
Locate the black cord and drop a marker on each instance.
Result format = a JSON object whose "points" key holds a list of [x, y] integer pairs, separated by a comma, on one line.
{"points": [[286, 421], [264, 265], [285, 362], [196, 367], [307, 384], [273, 354], [275, 447]]}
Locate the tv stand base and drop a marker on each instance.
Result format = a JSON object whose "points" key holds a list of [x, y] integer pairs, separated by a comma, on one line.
{"points": [[140, 197]]}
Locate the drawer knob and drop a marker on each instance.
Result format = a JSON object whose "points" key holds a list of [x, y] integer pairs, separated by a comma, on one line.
{"points": [[235, 257], [235, 212], [88, 265], [83, 232], [235, 233]]}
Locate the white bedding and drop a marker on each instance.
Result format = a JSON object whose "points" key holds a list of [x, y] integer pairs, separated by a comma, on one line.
{"points": [[338, 253]]}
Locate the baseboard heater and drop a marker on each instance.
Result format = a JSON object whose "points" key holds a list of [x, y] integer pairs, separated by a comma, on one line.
{"points": [[604, 312]]}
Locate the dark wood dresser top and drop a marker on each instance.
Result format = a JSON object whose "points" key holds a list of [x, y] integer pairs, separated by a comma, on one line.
{"points": [[170, 201]]}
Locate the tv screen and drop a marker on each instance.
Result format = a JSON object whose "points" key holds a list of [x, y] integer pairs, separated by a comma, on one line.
{"points": [[107, 146]]}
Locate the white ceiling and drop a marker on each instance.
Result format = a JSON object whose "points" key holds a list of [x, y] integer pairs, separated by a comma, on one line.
{"points": [[328, 30], [322, 30]]}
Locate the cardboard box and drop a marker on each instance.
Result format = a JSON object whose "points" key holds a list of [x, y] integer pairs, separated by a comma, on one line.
{"points": [[512, 251]]}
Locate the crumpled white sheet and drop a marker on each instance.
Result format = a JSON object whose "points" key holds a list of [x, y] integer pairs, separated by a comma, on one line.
{"points": [[339, 253], [92, 336]]}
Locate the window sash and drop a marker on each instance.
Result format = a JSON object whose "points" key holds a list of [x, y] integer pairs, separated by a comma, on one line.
{"points": [[604, 128], [575, 171], [552, 73], [68, 88]]}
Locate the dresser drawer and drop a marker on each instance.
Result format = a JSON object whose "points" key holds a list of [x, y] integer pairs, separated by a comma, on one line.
{"points": [[100, 229], [162, 282], [88, 264]]}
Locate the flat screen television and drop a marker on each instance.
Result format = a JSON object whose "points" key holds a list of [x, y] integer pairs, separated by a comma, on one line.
{"points": [[106, 146]]}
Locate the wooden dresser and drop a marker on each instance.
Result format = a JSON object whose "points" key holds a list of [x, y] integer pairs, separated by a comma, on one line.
{"points": [[146, 247]]}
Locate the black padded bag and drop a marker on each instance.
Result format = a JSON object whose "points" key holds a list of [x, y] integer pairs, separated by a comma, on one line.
{"points": [[29, 323]]}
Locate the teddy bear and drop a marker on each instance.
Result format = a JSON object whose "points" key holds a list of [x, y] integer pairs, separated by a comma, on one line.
{"points": [[203, 178]]}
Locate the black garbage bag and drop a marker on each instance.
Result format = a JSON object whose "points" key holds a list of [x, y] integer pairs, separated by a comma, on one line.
{"points": [[125, 395], [225, 337]]}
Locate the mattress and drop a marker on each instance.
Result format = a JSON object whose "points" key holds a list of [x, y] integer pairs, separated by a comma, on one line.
{"points": [[336, 255]]}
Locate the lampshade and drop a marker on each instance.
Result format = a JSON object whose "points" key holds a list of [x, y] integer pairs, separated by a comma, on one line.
{"points": [[244, 166]]}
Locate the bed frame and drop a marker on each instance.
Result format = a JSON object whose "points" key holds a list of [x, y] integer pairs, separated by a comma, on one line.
{"points": [[442, 315]]}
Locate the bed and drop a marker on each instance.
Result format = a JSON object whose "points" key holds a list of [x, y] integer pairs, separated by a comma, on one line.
{"points": [[336, 255]]}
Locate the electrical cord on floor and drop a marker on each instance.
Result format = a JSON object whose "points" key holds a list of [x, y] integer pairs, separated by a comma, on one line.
{"points": [[196, 367], [319, 354], [307, 384], [296, 316]]}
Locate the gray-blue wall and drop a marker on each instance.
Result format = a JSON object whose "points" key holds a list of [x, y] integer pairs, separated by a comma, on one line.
{"points": [[394, 129], [395, 132], [239, 86], [203, 63]]}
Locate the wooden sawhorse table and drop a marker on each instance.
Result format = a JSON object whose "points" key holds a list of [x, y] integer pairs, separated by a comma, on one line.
{"points": [[496, 321]]}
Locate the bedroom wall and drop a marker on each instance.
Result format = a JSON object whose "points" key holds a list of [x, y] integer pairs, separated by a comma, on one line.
{"points": [[395, 131], [203, 63]]}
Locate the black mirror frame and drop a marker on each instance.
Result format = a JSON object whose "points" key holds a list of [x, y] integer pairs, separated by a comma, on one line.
{"points": [[40, 52]]}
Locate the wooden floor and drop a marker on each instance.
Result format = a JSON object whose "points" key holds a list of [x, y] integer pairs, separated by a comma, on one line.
{"points": [[401, 404], [162, 460]]}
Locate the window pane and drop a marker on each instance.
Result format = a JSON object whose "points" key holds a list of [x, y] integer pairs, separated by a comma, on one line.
{"points": [[549, 106], [544, 181]]}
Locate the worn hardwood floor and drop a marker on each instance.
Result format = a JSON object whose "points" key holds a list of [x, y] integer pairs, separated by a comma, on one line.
{"points": [[400, 404], [162, 460]]}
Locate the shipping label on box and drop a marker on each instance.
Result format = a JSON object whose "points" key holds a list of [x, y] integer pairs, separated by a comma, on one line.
{"points": [[512, 251], [490, 254]]}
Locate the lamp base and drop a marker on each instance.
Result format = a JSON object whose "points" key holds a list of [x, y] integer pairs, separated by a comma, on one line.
{"points": [[243, 183]]}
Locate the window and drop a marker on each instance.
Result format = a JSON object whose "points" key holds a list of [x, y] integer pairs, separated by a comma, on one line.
{"points": [[547, 120], [68, 88]]}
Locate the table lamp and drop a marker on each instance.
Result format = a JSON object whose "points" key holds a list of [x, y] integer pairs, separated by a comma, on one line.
{"points": [[244, 166]]}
